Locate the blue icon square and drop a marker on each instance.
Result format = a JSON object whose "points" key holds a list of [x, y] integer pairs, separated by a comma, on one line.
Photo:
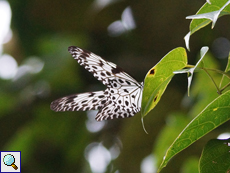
{"points": [[10, 161]]}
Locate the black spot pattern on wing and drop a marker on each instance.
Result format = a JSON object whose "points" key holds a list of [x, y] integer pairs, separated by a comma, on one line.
{"points": [[80, 102], [121, 99]]}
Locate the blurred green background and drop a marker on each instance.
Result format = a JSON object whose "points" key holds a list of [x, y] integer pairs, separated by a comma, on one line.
{"points": [[133, 34]]}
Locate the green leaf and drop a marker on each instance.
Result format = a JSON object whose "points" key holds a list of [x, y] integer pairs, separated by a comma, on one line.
{"points": [[228, 65], [206, 14], [159, 76], [209, 12], [203, 91], [213, 16], [215, 114], [215, 157], [225, 79]]}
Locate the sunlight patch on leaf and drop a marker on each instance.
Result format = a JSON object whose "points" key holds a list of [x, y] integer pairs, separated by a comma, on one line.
{"points": [[208, 1], [190, 71], [213, 16], [208, 13], [187, 38]]}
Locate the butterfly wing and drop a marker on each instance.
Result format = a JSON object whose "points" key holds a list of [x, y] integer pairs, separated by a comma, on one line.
{"points": [[122, 102], [106, 72], [80, 102], [121, 99]]}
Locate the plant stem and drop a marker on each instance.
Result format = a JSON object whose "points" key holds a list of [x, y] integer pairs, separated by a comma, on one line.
{"points": [[218, 71], [222, 89], [218, 90]]}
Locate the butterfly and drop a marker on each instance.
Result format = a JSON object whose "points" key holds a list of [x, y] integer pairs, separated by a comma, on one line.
{"points": [[121, 99]]}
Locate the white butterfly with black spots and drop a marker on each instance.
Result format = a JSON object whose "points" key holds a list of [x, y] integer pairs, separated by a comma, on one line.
{"points": [[121, 99]]}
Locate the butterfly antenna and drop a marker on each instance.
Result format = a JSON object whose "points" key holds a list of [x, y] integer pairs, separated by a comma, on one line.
{"points": [[143, 125]]}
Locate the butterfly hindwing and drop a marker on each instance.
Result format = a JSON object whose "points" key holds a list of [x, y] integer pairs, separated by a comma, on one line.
{"points": [[80, 102], [121, 99], [121, 105]]}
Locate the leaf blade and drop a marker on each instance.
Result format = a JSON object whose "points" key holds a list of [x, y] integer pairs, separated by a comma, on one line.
{"points": [[215, 114], [207, 13], [215, 156], [159, 76]]}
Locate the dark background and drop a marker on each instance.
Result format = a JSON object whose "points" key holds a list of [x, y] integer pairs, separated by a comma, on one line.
{"points": [[56, 142]]}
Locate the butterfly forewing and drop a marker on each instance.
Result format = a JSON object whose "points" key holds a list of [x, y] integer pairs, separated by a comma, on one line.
{"points": [[103, 70], [121, 99]]}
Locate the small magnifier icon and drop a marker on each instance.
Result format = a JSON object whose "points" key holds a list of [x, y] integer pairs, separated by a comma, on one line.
{"points": [[9, 160]]}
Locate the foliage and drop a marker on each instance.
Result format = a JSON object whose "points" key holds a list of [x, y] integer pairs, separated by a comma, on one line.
{"points": [[214, 114], [159, 77], [179, 126]]}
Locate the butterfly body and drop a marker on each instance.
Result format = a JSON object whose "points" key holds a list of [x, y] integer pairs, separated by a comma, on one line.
{"points": [[121, 99]]}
